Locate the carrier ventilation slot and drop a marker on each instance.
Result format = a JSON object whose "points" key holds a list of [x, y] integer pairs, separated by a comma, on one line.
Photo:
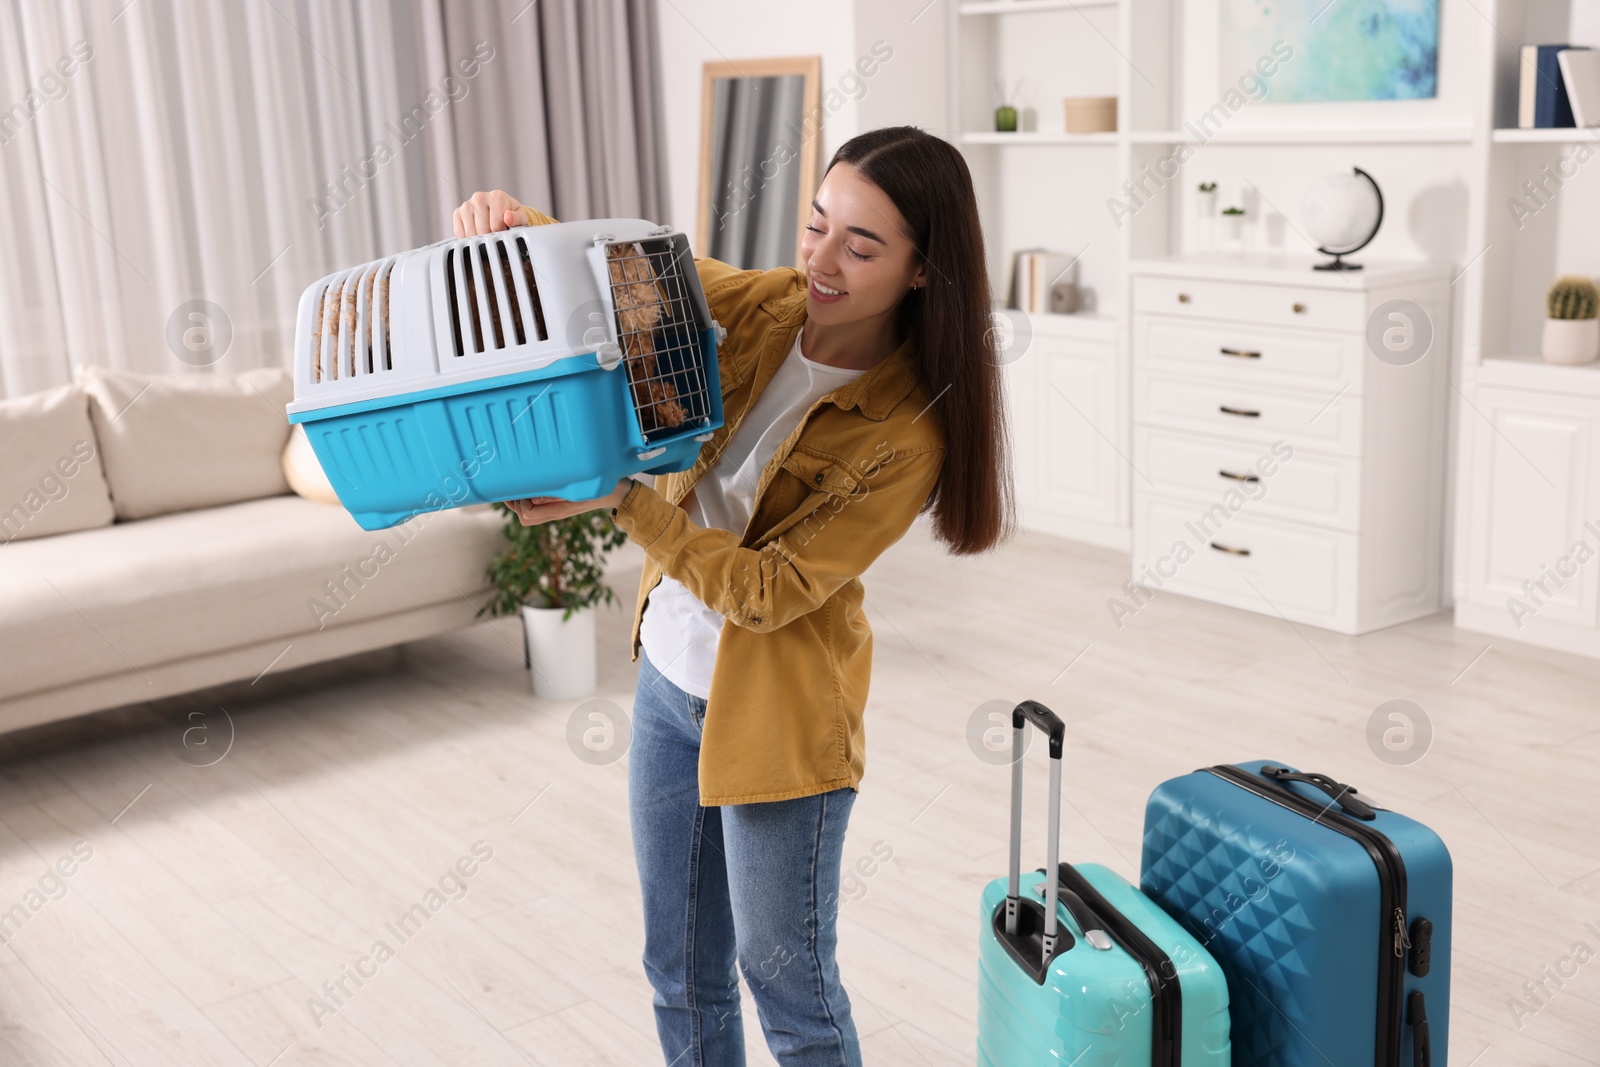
{"points": [[662, 344], [450, 296], [533, 288], [350, 333], [488, 301]]}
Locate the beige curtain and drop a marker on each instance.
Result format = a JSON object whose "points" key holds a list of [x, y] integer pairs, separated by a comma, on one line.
{"points": [[163, 152], [574, 126]]}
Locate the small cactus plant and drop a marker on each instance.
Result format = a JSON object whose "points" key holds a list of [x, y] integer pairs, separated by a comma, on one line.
{"points": [[1572, 297]]}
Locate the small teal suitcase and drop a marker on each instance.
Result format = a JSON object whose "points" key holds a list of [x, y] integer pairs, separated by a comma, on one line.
{"points": [[1093, 974], [1330, 916]]}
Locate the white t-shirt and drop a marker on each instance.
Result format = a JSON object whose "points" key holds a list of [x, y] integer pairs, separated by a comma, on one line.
{"points": [[679, 633]]}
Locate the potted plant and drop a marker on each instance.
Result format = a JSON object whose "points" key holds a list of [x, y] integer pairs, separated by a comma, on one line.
{"points": [[1206, 211], [554, 573], [1233, 223], [1572, 332]]}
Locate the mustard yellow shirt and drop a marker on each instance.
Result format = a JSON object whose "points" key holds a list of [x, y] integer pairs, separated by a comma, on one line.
{"points": [[786, 712]]}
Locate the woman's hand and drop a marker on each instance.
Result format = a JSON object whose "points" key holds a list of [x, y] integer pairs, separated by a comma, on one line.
{"points": [[537, 509], [484, 213]]}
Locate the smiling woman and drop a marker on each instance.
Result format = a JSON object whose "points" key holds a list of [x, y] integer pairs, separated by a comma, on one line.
{"points": [[860, 392]]}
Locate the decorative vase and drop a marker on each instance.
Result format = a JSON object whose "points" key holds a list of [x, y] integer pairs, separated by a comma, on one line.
{"points": [[1206, 220], [561, 652], [1233, 233], [1005, 119], [1571, 340]]}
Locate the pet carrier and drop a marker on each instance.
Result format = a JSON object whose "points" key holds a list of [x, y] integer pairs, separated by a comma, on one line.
{"points": [[538, 361]]}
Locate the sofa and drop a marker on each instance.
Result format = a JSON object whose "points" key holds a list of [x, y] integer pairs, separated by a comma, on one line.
{"points": [[165, 533]]}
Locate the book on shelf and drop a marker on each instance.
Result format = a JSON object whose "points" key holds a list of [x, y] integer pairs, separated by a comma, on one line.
{"points": [[1015, 294], [1580, 76], [1033, 272], [1542, 97]]}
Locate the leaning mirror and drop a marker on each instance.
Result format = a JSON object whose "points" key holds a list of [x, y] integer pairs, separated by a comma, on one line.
{"points": [[759, 122]]}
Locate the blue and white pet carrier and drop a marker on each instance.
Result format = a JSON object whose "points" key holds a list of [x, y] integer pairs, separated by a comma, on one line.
{"points": [[539, 361]]}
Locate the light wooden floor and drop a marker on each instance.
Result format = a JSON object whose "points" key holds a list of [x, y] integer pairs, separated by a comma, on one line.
{"points": [[218, 899]]}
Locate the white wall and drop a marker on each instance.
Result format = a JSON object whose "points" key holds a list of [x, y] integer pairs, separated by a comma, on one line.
{"points": [[909, 90], [1458, 80], [1424, 188], [905, 89], [694, 32]]}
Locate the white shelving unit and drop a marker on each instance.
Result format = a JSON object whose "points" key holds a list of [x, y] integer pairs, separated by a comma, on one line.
{"points": [[1460, 151], [1012, 7], [1528, 433], [1301, 135], [1558, 136], [976, 137], [1069, 391]]}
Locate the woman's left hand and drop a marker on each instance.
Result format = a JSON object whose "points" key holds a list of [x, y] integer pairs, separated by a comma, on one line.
{"points": [[537, 509]]}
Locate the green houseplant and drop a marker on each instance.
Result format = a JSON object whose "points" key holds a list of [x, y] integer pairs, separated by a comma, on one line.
{"points": [[1572, 331], [552, 572]]}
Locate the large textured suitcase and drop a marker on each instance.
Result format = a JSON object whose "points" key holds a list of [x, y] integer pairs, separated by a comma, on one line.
{"points": [[1095, 974], [1329, 915]]}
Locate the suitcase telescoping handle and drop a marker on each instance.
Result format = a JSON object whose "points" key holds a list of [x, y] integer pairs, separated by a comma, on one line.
{"points": [[1030, 711]]}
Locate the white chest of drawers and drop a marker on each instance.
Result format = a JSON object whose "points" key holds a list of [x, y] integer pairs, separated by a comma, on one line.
{"points": [[1283, 463]]}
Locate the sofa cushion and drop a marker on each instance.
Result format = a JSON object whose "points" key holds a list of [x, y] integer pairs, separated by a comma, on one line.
{"points": [[103, 601], [304, 471], [171, 442], [51, 480]]}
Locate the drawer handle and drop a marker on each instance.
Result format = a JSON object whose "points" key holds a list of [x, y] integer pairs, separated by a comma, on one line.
{"points": [[1230, 551], [1240, 477], [1241, 353], [1299, 309], [1226, 410], [1183, 298]]}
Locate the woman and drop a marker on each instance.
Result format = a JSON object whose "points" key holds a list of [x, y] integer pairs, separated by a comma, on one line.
{"points": [[857, 395]]}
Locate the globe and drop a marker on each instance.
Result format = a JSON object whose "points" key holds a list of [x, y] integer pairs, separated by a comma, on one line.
{"points": [[1342, 211]]}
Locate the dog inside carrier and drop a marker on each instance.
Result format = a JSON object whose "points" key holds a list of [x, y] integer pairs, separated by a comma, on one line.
{"points": [[546, 360]]}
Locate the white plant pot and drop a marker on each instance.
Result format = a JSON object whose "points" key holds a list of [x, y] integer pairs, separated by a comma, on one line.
{"points": [[562, 653], [1205, 221], [1571, 340], [1233, 233]]}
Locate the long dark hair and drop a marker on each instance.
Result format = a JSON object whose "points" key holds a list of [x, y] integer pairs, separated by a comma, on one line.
{"points": [[949, 322]]}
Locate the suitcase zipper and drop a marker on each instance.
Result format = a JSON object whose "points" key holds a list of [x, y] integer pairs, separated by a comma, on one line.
{"points": [[1391, 869], [1166, 999]]}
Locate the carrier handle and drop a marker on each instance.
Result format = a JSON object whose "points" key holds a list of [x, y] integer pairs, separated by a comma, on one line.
{"points": [[1343, 795], [1048, 721]]}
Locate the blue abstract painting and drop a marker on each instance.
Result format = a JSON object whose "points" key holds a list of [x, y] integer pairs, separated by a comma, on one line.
{"points": [[1342, 49]]}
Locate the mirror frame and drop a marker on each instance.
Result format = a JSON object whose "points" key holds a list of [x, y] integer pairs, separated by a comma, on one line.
{"points": [[808, 67]]}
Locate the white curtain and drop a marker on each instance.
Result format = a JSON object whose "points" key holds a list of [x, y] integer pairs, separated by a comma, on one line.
{"points": [[159, 152]]}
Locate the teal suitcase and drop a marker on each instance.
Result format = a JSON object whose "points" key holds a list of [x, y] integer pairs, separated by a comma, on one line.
{"points": [[1084, 970]]}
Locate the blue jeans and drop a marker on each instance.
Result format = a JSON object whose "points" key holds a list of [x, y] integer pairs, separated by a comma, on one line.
{"points": [[752, 884]]}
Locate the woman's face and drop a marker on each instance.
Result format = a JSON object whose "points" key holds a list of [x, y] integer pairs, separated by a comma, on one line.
{"points": [[856, 243]]}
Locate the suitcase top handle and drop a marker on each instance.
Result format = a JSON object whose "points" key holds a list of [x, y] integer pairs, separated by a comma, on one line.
{"points": [[1343, 795], [1048, 721]]}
